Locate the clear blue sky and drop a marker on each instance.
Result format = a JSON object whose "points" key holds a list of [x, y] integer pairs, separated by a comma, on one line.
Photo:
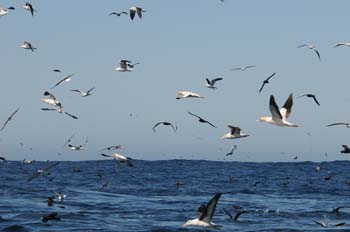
{"points": [[179, 44]]}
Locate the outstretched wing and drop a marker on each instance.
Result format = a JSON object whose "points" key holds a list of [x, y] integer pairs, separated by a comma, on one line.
{"points": [[287, 107], [211, 206], [276, 115]]}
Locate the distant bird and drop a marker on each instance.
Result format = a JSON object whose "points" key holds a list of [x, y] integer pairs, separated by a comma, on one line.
{"points": [[25, 161], [266, 81], [27, 45], [243, 68], [235, 133], [279, 117], [323, 224], [346, 124], [114, 147], [342, 44], [68, 140], [40, 172], [50, 201], [76, 148], [295, 157], [57, 70], [232, 150], [133, 10], [66, 79], [312, 96], [11, 8], [51, 216], [28, 6], [164, 124], [187, 94], [60, 110], [205, 214], [83, 93], [120, 158], [312, 47], [125, 66], [210, 83], [200, 119], [118, 14], [345, 150], [9, 119]]}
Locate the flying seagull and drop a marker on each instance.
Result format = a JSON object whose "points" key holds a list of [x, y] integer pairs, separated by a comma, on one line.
{"points": [[232, 150], [114, 147], [266, 81], [346, 124], [120, 158], [205, 214], [235, 133], [201, 119], [28, 6], [9, 119], [66, 79], [40, 172], [210, 83], [312, 96], [187, 94], [133, 10], [312, 47], [342, 44], [118, 14], [243, 68], [345, 150], [83, 93], [164, 124], [27, 45], [125, 66], [279, 117]]}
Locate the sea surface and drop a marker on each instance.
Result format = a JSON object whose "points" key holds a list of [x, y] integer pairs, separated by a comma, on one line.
{"points": [[109, 197]]}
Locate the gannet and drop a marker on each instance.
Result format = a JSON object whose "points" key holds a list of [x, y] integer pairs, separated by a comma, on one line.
{"points": [[27, 45], [266, 81], [205, 214], [9, 119], [279, 117], [312, 47], [312, 96], [120, 158], [164, 124], [235, 133], [243, 68], [201, 119], [83, 93], [187, 94], [210, 83], [133, 10]]}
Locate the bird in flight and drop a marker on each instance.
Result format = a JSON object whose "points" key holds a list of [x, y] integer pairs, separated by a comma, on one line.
{"points": [[345, 150], [57, 70], [9, 119], [279, 117], [235, 133], [200, 119], [133, 10], [83, 93], [120, 158], [114, 147], [312, 47], [342, 44], [165, 124], [28, 6], [66, 79], [346, 124], [232, 150], [243, 68], [40, 172], [27, 45], [266, 81], [312, 96], [210, 83], [125, 66], [118, 14], [187, 94]]}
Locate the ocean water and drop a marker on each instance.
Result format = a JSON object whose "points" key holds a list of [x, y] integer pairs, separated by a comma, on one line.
{"points": [[277, 196]]}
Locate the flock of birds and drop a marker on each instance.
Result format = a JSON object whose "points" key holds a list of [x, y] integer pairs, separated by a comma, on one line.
{"points": [[279, 117]]}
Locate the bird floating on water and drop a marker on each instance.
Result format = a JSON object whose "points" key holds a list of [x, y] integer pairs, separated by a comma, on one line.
{"points": [[279, 117], [312, 47], [266, 81], [136, 10], [187, 94], [235, 133]]}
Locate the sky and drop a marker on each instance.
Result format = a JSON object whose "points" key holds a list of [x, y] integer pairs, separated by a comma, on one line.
{"points": [[178, 44]]}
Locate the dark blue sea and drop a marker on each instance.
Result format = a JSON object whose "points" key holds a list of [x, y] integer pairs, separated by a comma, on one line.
{"points": [[109, 197]]}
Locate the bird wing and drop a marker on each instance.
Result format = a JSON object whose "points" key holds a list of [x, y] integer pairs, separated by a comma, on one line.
{"points": [[262, 86], [76, 90], [216, 79], [46, 93], [234, 129], [239, 214], [105, 155], [338, 123], [249, 66], [208, 81], [211, 208], [90, 90], [318, 54], [71, 115], [154, 127], [9, 118], [303, 45], [194, 115], [69, 139], [273, 74], [63, 80], [339, 224], [345, 147], [227, 213], [35, 175], [276, 115], [233, 69], [287, 107], [210, 123], [139, 12], [132, 13], [314, 97]]}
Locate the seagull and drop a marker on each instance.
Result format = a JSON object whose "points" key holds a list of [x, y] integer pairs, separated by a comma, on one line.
{"points": [[118, 14], [210, 83], [125, 66], [235, 133], [312, 96], [201, 119], [40, 172], [27, 45], [187, 94], [83, 93], [133, 10], [120, 158], [114, 147], [279, 117], [345, 150], [266, 81], [9, 119], [312, 47], [59, 110], [28, 6], [205, 214], [66, 79], [165, 124], [346, 124], [243, 68], [342, 44], [232, 150]]}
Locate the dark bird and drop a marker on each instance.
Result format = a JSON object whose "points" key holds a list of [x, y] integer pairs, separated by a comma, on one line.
{"points": [[11, 8], [9, 119], [2, 159], [165, 124], [28, 6], [243, 68], [104, 181], [232, 150], [201, 119], [266, 81], [57, 70], [312, 47], [40, 172], [238, 214], [346, 124], [66, 79], [118, 14], [312, 96], [178, 184], [133, 10], [346, 149], [50, 216], [50, 201], [210, 83], [114, 147]]}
